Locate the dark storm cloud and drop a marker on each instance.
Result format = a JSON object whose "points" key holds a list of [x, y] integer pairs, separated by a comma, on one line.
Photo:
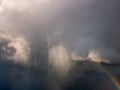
{"points": [[81, 26], [88, 26], [63, 31]]}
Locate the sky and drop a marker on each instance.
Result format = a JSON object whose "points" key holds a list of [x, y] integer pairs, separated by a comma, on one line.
{"points": [[81, 26], [64, 31]]}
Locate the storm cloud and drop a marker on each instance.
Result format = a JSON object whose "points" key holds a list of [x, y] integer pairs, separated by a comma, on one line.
{"points": [[60, 32]]}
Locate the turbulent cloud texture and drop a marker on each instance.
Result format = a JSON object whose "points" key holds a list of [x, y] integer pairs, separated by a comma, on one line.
{"points": [[14, 48], [78, 25], [64, 31]]}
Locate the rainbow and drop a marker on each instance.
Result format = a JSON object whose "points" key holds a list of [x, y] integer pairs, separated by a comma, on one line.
{"points": [[114, 79]]}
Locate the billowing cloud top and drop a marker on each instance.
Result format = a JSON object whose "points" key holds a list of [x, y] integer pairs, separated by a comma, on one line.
{"points": [[86, 28]]}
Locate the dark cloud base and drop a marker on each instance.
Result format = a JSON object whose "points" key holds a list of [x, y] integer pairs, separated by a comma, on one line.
{"points": [[17, 77]]}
